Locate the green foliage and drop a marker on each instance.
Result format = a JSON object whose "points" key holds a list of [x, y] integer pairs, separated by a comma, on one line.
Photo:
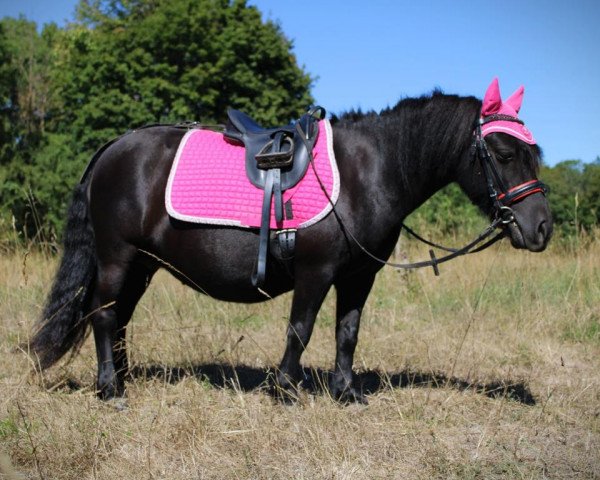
{"points": [[574, 194], [138, 62], [448, 213], [25, 118], [122, 64], [590, 203]]}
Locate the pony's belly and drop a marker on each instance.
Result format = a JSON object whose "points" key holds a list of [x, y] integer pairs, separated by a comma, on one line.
{"points": [[238, 290], [219, 262]]}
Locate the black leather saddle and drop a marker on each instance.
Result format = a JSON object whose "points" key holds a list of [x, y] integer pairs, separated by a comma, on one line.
{"points": [[276, 160]]}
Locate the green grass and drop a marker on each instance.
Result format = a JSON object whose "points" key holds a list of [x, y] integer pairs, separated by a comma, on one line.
{"points": [[8, 428], [586, 330]]}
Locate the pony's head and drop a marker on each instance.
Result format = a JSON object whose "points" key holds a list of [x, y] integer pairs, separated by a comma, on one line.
{"points": [[502, 180]]}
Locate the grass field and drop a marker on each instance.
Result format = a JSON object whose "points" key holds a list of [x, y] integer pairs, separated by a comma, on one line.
{"points": [[490, 371]]}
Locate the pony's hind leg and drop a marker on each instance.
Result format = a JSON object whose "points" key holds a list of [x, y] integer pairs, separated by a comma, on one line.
{"points": [[138, 279], [119, 286]]}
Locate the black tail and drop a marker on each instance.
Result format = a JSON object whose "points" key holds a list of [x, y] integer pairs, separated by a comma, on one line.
{"points": [[63, 325]]}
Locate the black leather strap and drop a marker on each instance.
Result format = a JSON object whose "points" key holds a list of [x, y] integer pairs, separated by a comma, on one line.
{"points": [[287, 244], [278, 194], [258, 277], [521, 191]]}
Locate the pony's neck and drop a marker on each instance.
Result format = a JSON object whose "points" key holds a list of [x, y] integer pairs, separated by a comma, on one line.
{"points": [[425, 142]]}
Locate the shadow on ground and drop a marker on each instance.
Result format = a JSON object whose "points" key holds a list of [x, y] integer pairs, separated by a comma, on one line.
{"points": [[248, 379]]}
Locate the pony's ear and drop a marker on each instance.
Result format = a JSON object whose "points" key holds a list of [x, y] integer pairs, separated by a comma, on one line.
{"points": [[492, 100], [516, 99]]}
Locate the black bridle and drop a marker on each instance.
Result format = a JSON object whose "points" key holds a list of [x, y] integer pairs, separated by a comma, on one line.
{"points": [[502, 198], [501, 195]]}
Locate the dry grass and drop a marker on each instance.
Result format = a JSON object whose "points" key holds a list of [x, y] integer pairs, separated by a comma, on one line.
{"points": [[489, 371]]}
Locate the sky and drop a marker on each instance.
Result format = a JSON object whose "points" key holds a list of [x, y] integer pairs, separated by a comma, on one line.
{"points": [[370, 54]]}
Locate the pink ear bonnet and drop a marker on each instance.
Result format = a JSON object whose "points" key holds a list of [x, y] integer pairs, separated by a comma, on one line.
{"points": [[493, 105]]}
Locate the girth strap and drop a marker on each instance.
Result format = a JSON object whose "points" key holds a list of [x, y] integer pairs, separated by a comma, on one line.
{"points": [[283, 247]]}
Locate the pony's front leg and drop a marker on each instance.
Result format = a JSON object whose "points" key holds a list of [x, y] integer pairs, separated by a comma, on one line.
{"points": [[351, 296], [309, 292]]}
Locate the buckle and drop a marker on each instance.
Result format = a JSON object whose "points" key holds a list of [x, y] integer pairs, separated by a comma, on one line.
{"points": [[506, 215]]}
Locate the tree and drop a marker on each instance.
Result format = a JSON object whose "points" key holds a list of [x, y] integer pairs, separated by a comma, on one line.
{"points": [[590, 203], [448, 212], [134, 62], [6, 86], [27, 100], [123, 64], [565, 182]]}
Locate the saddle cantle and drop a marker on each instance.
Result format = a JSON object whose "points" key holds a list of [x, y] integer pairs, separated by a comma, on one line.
{"points": [[276, 159]]}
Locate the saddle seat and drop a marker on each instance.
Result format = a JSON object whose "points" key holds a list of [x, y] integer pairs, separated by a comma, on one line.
{"points": [[285, 148], [276, 159], [246, 124]]}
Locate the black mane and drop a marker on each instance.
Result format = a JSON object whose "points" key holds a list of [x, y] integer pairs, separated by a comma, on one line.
{"points": [[437, 96], [424, 134], [441, 124]]}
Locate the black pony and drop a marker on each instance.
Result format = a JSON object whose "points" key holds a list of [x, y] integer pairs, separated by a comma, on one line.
{"points": [[118, 232]]}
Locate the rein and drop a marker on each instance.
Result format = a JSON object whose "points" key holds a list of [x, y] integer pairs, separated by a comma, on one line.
{"points": [[502, 201]]}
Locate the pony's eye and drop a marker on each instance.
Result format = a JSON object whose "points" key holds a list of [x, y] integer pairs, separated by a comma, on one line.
{"points": [[504, 157]]}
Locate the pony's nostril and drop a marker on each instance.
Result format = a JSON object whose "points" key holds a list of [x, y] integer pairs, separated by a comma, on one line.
{"points": [[542, 231]]}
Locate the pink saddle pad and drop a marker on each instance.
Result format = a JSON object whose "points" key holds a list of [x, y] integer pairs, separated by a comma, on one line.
{"points": [[208, 184]]}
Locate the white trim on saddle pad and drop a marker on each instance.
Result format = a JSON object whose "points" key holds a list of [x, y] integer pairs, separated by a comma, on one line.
{"points": [[327, 207], [336, 179]]}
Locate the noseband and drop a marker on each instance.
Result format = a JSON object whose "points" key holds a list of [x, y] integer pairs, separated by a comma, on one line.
{"points": [[502, 196]]}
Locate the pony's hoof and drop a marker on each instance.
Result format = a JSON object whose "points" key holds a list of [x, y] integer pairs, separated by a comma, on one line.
{"points": [[349, 395], [110, 392], [283, 390]]}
